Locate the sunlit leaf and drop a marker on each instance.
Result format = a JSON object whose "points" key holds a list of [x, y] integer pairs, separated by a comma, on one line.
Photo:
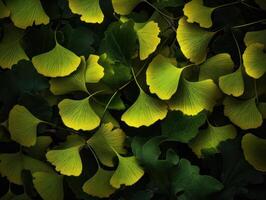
{"points": [[124, 7], [255, 37], [4, 11], [94, 71]]}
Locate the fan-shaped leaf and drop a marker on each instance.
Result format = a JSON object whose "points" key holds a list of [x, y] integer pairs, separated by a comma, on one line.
{"points": [[94, 71], [4, 11], [39, 149], [255, 37], [124, 7]]}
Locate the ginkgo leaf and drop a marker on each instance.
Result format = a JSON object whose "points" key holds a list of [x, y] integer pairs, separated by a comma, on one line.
{"points": [[197, 12], [12, 165], [255, 37], [148, 36], [57, 62], [94, 71], [193, 97], [145, 111], [23, 126], [10, 49], [211, 137], [163, 77], [216, 66], [262, 109], [124, 7], [89, 10], [243, 113], [39, 149], [127, 173], [99, 184], [27, 13], [4, 11], [49, 185], [254, 149], [74, 82], [78, 114], [193, 41], [254, 60], [232, 84], [105, 141], [66, 157]]}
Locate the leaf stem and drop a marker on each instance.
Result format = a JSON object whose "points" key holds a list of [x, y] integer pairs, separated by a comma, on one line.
{"points": [[135, 78], [249, 24], [228, 4], [250, 6], [94, 155], [238, 49]]}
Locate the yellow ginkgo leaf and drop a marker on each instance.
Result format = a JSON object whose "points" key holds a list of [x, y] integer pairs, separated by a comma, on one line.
{"points": [[163, 77], [78, 114], [243, 113], [89, 10], [57, 62], [10, 49], [124, 7], [23, 126], [66, 157], [4, 11], [27, 13], [255, 37], [145, 111], [193, 41], [148, 36], [94, 71]]}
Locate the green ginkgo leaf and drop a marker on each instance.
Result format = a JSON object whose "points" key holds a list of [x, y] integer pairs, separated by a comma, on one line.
{"points": [[106, 142], [27, 13], [10, 49], [197, 12], [99, 184], [74, 82], [49, 185], [89, 10], [216, 66], [254, 60], [262, 109], [94, 71], [66, 157], [243, 113], [23, 126], [232, 84], [127, 173], [4, 11], [193, 41], [163, 77], [57, 62], [12, 165], [145, 111], [39, 149], [124, 7], [254, 149], [193, 97], [255, 37], [211, 137], [148, 36], [78, 114]]}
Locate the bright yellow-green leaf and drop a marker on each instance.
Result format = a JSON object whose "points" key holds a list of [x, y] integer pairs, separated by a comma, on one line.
{"points": [[12, 165], [243, 113], [78, 114], [145, 111], [22, 126], [105, 141], [148, 36], [49, 185], [216, 66], [99, 184], [26, 13], [254, 59], [232, 84], [4, 11], [57, 62], [254, 149], [10, 49], [124, 7], [193, 97], [197, 12], [94, 71], [255, 37], [127, 173], [163, 77], [74, 82], [211, 137], [66, 157], [89, 10], [193, 41]]}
